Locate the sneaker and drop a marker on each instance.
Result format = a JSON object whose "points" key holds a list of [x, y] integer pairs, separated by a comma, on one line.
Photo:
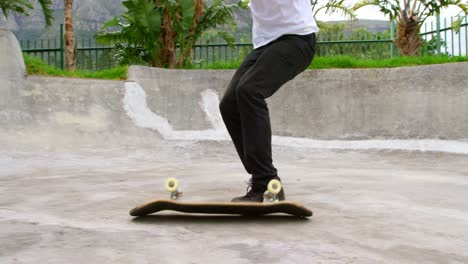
{"points": [[255, 195], [281, 195]]}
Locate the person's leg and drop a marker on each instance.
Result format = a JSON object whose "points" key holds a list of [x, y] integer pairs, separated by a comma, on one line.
{"points": [[279, 62], [229, 108]]}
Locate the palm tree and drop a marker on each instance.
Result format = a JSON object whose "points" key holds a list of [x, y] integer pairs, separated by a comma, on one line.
{"points": [[183, 23], [409, 16], [70, 55], [22, 6]]}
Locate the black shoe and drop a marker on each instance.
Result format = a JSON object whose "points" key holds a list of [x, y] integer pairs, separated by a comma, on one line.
{"points": [[255, 195], [252, 196], [281, 195]]}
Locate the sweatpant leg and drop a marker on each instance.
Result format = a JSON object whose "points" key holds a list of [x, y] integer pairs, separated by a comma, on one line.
{"points": [[230, 110], [278, 63]]}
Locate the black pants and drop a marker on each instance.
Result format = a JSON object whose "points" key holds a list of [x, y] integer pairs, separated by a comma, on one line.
{"points": [[243, 107]]}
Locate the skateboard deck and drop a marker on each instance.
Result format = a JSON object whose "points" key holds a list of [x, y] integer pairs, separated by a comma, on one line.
{"points": [[222, 208]]}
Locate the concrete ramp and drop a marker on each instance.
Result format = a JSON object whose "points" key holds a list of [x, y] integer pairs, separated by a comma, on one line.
{"points": [[397, 103], [45, 112], [77, 154], [413, 108]]}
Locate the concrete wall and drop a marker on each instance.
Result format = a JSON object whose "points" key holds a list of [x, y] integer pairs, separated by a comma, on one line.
{"points": [[410, 102], [404, 103], [46, 112]]}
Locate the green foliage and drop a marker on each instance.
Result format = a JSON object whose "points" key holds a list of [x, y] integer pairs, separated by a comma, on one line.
{"points": [[45, 5], [138, 36], [360, 42], [215, 15], [22, 7], [18, 6], [430, 47], [457, 23], [350, 62], [244, 4], [36, 66]]}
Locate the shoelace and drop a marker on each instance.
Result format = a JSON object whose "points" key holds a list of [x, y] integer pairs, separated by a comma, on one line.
{"points": [[249, 191]]}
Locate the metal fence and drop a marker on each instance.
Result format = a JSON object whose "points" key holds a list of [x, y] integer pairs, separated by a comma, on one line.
{"points": [[439, 38], [89, 54]]}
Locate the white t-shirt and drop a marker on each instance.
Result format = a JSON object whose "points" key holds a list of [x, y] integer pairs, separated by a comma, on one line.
{"points": [[275, 18]]}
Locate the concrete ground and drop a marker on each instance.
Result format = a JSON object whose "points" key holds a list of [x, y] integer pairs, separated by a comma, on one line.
{"points": [[369, 207]]}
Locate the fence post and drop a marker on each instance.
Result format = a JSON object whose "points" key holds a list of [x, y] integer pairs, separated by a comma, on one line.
{"points": [[62, 64], [439, 47], [392, 37]]}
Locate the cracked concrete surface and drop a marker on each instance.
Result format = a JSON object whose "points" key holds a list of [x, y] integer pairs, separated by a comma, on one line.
{"points": [[76, 155], [369, 207]]}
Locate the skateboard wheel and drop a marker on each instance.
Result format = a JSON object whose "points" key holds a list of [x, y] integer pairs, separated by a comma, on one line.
{"points": [[274, 187], [172, 184]]}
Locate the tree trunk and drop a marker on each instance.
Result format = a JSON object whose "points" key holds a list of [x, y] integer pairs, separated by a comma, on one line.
{"points": [[168, 36], [70, 54], [199, 6], [408, 39]]}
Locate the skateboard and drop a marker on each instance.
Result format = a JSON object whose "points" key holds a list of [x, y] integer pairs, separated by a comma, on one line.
{"points": [[271, 205]]}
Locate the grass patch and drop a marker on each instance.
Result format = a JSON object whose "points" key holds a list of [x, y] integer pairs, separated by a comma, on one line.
{"points": [[346, 62], [36, 66], [350, 62]]}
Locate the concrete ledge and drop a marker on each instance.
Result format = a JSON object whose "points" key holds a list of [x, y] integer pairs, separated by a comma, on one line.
{"points": [[394, 103]]}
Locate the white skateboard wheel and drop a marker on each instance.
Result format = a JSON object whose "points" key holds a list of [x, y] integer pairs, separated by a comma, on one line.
{"points": [[172, 184], [274, 186]]}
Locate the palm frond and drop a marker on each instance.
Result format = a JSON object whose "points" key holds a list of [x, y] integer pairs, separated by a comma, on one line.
{"points": [[109, 38], [457, 23], [17, 6], [187, 10], [229, 38], [115, 22], [337, 6], [463, 7], [244, 4], [363, 3], [48, 12]]}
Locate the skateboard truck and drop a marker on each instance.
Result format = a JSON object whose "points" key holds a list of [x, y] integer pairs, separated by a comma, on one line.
{"points": [[172, 185], [273, 189]]}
